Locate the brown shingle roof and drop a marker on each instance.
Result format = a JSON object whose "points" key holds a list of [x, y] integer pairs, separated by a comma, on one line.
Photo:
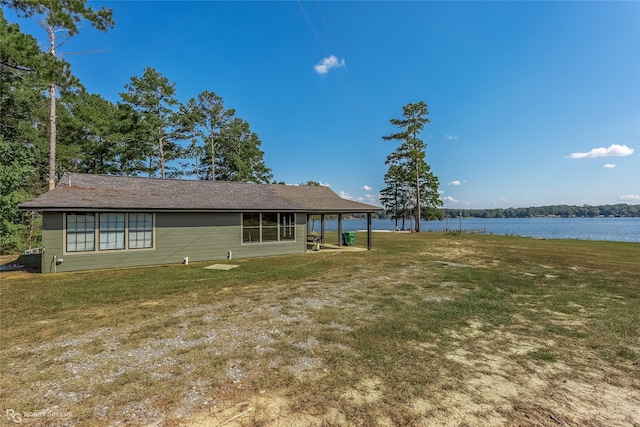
{"points": [[84, 192]]}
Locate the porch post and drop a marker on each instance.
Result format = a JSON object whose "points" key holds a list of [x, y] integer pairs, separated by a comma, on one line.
{"points": [[339, 229], [369, 232], [322, 229]]}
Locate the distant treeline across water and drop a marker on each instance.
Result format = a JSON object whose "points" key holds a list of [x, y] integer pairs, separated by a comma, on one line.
{"points": [[612, 229], [563, 211]]}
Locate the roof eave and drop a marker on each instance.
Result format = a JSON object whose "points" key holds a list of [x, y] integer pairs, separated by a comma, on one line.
{"points": [[191, 210]]}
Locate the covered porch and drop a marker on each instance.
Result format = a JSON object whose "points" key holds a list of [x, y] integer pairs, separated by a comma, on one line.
{"points": [[317, 240]]}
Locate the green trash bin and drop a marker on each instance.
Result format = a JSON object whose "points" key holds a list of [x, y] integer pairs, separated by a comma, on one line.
{"points": [[349, 238]]}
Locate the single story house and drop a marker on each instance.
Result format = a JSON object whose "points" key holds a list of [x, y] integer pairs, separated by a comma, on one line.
{"points": [[107, 221]]}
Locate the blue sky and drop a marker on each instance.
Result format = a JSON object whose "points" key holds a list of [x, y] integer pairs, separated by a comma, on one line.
{"points": [[531, 103]]}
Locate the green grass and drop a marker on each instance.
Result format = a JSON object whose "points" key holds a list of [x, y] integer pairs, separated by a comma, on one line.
{"points": [[425, 327], [543, 355]]}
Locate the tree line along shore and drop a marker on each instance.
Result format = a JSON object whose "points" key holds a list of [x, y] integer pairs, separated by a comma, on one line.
{"points": [[621, 210]]}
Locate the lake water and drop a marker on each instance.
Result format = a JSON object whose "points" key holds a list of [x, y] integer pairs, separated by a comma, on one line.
{"points": [[612, 229]]}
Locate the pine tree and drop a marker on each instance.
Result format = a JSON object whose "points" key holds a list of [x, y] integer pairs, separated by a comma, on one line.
{"points": [[223, 141], [23, 133], [152, 96], [60, 20], [395, 196], [204, 119], [240, 156], [410, 156]]}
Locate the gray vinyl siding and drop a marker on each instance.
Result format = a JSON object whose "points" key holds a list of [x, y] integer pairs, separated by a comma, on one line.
{"points": [[52, 239], [199, 236]]}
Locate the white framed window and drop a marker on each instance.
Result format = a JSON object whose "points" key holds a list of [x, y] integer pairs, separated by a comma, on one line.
{"points": [[251, 227], [287, 226], [140, 230], [81, 232], [111, 231], [268, 227]]}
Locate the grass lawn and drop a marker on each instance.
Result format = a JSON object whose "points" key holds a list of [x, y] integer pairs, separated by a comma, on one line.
{"points": [[426, 329]]}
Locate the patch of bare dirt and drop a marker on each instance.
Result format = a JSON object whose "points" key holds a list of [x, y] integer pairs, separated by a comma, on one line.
{"points": [[501, 388]]}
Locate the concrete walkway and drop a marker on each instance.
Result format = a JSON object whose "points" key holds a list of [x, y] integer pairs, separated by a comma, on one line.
{"points": [[327, 247]]}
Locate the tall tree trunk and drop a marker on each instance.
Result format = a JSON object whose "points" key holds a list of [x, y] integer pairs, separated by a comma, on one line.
{"points": [[213, 160], [197, 169], [417, 199], [52, 136], [161, 149], [418, 207], [395, 204], [52, 113]]}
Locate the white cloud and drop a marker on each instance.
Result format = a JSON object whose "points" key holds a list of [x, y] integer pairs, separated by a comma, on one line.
{"points": [[630, 197], [456, 182], [367, 188], [368, 198], [328, 63], [450, 199], [614, 150], [345, 195], [450, 137], [609, 166]]}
